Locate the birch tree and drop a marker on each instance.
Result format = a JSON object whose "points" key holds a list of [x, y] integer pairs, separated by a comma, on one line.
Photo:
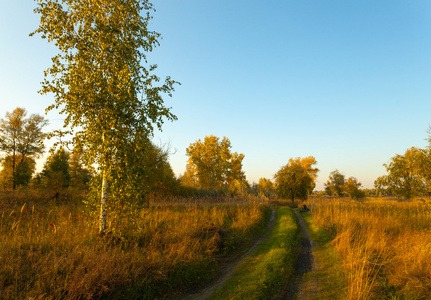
{"points": [[101, 79]]}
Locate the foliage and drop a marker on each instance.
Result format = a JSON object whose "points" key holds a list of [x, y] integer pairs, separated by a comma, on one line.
{"points": [[297, 178], [145, 175], [160, 179], [211, 165], [352, 188], [265, 187], [23, 172], [55, 173], [110, 99], [407, 174], [79, 175], [21, 139], [335, 183]]}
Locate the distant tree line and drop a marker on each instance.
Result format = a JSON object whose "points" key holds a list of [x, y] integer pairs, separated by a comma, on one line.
{"points": [[212, 168], [22, 142], [338, 185]]}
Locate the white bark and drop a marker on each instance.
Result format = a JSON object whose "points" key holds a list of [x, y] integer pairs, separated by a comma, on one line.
{"points": [[102, 221]]}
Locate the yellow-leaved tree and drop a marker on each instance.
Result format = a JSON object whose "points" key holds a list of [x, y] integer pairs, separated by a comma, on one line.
{"points": [[297, 178], [102, 82], [21, 138], [265, 187], [408, 174], [211, 165]]}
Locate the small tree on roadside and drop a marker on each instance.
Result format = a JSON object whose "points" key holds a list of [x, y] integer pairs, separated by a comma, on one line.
{"points": [[21, 138], [335, 183], [296, 178]]}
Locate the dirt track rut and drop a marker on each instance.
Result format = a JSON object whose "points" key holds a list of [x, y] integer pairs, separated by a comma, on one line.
{"points": [[305, 286], [227, 270]]}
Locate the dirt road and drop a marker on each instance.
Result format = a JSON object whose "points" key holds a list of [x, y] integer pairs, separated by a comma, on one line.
{"points": [[305, 285], [227, 270]]}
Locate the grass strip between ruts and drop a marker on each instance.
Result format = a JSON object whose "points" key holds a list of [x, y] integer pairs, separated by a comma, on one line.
{"points": [[329, 272], [265, 271]]}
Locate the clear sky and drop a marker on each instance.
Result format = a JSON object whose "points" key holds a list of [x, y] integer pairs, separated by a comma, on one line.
{"points": [[348, 82]]}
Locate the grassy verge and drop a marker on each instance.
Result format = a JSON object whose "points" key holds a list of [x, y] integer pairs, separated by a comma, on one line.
{"points": [[384, 246], [266, 270], [52, 250], [329, 272]]}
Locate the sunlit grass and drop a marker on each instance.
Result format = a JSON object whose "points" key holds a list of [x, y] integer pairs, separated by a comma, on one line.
{"points": [[54, 250], [328, 272], [263, 274], [385, 246]]}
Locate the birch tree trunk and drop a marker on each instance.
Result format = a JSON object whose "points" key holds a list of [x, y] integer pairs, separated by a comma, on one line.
{"points": [[102, 220]]}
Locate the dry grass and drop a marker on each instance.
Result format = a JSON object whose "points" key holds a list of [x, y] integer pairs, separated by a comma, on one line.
{"points": [[53, 251], [385, 246]]}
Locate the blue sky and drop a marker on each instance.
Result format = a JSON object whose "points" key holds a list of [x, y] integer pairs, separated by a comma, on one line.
{"points": [[345, 81]]}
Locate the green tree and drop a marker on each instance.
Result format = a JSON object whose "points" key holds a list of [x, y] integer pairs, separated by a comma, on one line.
{"points": [[103, 84], [265, 187], [159, 178], [55, 173], [211, 165], [404, 176], [296, 178], [23, 172], [352, 188], [21, 139], [335, 183], [79, 174]]}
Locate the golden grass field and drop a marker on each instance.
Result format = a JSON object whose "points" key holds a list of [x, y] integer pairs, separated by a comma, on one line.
{"points": [[52, 251], [384, 245]]}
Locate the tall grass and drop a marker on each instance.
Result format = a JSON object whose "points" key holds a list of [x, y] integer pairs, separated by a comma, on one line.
{"points": [[385, 246], [53, 251]]}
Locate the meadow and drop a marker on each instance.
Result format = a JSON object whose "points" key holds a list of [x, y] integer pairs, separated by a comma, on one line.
{"points": [[368, 249], [384, 246], [52, 250]]}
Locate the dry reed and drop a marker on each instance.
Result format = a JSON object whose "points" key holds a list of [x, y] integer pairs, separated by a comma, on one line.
{"points": [[385, 246], [54, 251]]}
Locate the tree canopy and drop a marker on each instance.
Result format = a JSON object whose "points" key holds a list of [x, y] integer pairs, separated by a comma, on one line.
{"points": [[265, 187], [335, 183], [21, 138], [352, 188], [212, 165], [102, 82], [407, 174], [56, 171], [297, 178]]}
